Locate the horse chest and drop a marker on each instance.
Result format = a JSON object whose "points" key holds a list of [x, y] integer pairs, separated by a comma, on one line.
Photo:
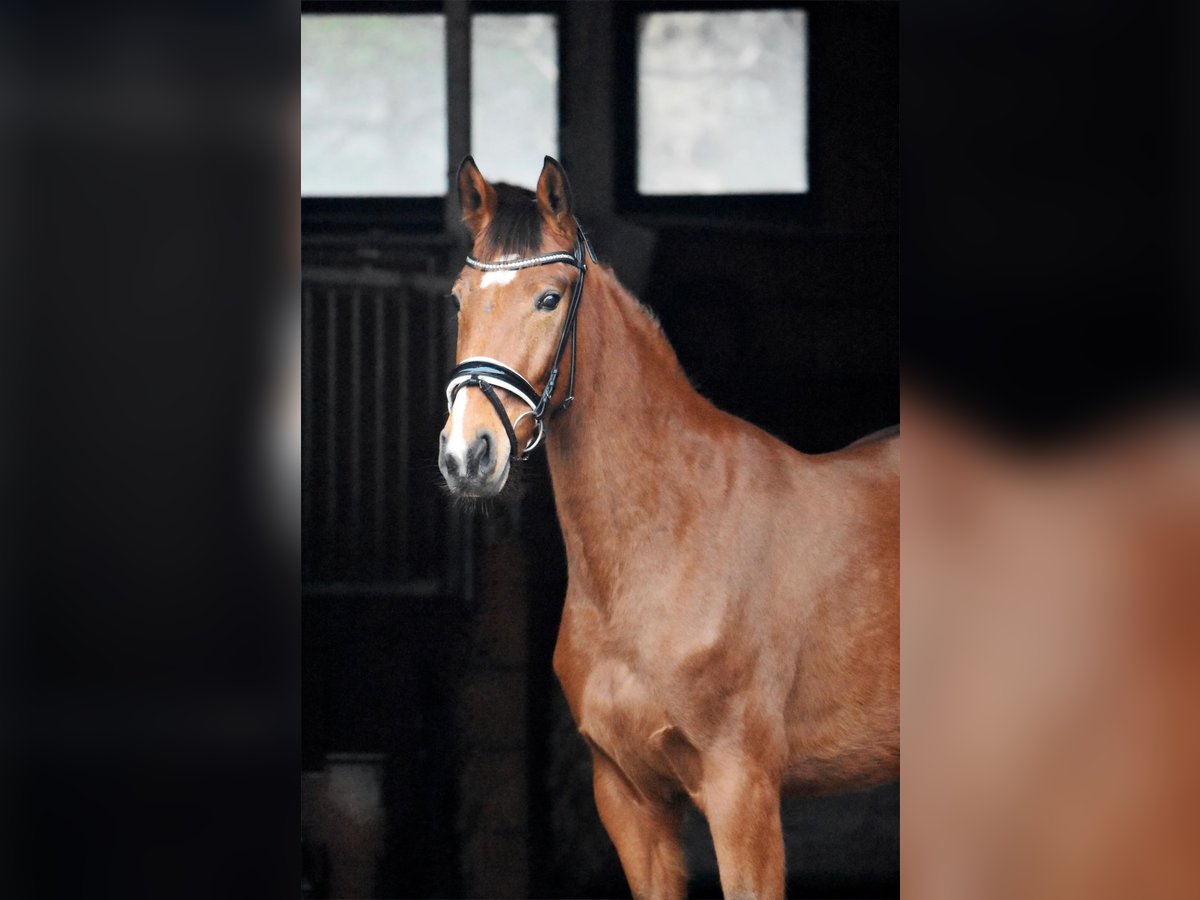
{"points": [[616, 707], [618, 715]]}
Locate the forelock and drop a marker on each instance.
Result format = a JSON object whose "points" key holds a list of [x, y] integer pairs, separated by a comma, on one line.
{"points": [[516, 225]]}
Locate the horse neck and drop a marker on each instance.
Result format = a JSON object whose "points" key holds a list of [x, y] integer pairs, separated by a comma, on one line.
{"points": [[610, 455]]}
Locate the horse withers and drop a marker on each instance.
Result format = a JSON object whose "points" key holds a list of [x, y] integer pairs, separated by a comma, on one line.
{"points": [[731, 625]]}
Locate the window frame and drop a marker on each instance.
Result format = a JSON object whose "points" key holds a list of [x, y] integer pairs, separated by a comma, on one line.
{"points": [[406, 213], [794, 208]]}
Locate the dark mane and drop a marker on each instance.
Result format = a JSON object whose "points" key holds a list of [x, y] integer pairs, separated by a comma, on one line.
{"points": [[516, 226]]}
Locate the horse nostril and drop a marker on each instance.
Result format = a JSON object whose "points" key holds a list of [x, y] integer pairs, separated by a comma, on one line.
{"points": [[484, 453]]}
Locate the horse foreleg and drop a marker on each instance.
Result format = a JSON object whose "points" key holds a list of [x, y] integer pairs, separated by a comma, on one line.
{"points": [[645, 833], [742, 808]]}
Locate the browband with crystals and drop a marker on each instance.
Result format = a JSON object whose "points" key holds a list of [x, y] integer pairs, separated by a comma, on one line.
{"points": [[526, 263], [487, 374]]}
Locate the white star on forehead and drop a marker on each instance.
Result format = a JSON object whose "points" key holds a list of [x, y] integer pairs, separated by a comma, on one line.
{"points": [[502, 276], [497, 278]]}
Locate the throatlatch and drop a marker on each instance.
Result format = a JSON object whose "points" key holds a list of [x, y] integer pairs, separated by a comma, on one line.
{"points": [[487, 374]]}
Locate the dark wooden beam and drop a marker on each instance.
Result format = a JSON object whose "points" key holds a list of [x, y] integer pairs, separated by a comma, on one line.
{"points": [[587, 132], [458, 102]]}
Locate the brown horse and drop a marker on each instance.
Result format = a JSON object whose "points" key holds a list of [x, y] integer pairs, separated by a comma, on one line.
{"points": [[731, 623]]}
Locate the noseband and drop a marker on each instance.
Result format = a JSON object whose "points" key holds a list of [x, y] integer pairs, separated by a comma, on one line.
{"points": [[487, 374]]}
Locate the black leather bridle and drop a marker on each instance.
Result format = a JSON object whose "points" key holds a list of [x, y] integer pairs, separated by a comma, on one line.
{"points": [[488, 374]]}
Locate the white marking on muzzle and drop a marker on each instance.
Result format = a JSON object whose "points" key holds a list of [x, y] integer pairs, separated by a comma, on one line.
{"points": [[456, 446]]}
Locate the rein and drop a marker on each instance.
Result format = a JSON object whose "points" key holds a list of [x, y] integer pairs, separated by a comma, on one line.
{"points": [[488, 374]]}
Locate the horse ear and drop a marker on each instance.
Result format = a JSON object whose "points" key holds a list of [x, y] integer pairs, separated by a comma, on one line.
{"points": [[554, 196], [476, 197]]}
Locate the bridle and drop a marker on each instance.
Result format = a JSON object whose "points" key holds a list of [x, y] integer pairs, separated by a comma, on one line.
{"points": [[488, 374]]}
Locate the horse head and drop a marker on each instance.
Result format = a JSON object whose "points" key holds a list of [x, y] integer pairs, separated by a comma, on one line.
{"points": [[517, 297]]}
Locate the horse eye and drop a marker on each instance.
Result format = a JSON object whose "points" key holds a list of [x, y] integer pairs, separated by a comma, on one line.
{"points": [[453, 298], [549, 300]]}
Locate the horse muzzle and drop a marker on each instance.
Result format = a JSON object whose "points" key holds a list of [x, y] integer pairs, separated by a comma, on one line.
{"points": [[475, 467]]}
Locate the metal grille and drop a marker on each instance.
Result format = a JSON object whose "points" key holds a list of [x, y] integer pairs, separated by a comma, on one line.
{"points": [[376, 349]]}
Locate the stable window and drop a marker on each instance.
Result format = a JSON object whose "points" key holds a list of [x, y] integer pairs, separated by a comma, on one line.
{"points": [[722, 102], [372, 106], [373, 101], [514, 94]]}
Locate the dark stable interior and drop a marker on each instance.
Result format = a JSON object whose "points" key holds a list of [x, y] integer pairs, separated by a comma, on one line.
{"points": [[428, 627]]}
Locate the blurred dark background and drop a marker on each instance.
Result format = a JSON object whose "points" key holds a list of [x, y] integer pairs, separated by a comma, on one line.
{"points": [[148, 718], [438, 755]]}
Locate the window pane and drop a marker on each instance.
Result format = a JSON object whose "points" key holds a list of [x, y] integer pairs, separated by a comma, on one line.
{"points": [[373, 105], [514, 91], [722, 103]]}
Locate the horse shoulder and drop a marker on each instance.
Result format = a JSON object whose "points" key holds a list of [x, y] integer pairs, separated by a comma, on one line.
{"points": [[575, 650]]}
